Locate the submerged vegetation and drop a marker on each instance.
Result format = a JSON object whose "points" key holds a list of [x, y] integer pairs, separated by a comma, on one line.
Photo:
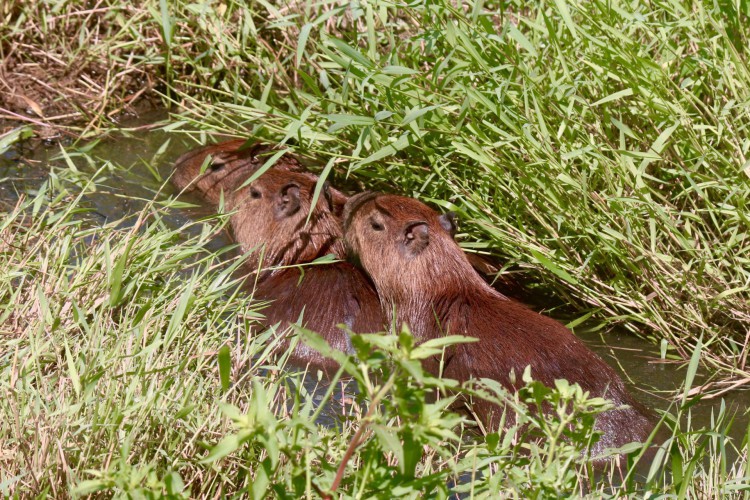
{"points": [[599, 151]]}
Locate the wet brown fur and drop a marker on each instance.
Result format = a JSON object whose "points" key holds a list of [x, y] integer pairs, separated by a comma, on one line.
{"points": [[270, 224], [409, 252]]}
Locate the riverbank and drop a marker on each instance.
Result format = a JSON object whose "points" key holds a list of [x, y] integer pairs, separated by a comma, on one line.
{"points": [[599, 156]]}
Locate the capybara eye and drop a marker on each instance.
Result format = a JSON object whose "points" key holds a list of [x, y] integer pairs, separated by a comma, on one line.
{"points": [[255, 194], [217, 165], [377, 226]]}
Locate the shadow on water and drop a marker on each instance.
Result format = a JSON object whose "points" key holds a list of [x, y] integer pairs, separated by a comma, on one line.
{"points": [[136, 164], [657, 383]]}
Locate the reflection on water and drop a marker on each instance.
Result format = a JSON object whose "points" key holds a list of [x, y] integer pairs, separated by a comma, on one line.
{"points": [[137, 164], [655, 383]]}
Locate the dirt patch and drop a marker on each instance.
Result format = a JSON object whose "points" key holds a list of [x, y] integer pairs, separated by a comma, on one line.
{"points": [[71, 74]]}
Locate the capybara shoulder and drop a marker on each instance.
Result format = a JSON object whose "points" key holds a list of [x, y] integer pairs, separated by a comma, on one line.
{"points": [[322, 297]]}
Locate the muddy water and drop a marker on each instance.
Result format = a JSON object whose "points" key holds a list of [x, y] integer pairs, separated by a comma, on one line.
{"points": [[139, 162], [658, 384], [133, 168]]}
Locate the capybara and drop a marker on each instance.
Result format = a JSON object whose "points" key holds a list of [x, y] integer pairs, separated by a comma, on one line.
{"points": [[270, 222], [228, 166], [417, 268]]}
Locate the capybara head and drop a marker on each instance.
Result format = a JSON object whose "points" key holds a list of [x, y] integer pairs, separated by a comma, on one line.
{"points": [[216, 169], [210, 170], [271, 219], [403, 244]]}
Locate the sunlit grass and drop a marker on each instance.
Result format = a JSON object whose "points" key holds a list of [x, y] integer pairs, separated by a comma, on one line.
{"points": [[601, 150], [128, 367]]}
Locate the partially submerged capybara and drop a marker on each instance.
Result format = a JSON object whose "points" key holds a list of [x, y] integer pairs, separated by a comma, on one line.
{"points": [[417, 268], [228, 165], [270, 222], [215, 170]]}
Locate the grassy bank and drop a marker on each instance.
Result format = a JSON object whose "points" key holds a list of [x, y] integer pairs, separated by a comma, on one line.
{"points": [[599, 152], [125, 369]]}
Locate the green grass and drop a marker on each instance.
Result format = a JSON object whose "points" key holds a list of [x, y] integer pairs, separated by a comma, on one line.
{"points": [[126, 370], [600, 151]]}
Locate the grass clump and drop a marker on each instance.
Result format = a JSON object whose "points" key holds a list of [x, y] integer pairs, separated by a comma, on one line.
{"points": [[97, 322]]}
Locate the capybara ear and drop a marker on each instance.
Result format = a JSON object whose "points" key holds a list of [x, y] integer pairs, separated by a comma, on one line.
{"points": [[448, 222], [287, 201], [416, 238]]}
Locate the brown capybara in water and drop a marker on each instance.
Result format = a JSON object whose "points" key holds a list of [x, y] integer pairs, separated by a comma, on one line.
{"points": [[271, 221], [229, 166], [409, 252], [271, 224]]}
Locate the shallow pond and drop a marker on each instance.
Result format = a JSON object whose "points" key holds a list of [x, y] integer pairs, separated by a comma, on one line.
{"points": [[137, 162]]}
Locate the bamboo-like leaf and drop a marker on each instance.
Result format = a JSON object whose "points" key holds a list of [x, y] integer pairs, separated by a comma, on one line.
{"points": [[225, 366]]}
